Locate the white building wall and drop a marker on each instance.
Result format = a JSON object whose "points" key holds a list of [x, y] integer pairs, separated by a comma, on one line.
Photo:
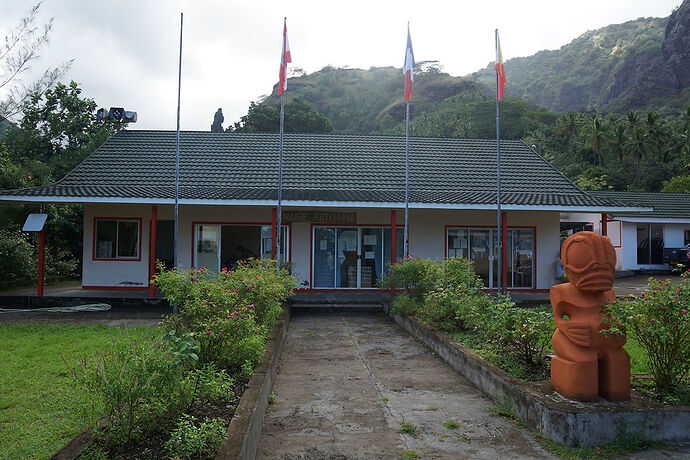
{"points": [[120, 273], [427, 236]]}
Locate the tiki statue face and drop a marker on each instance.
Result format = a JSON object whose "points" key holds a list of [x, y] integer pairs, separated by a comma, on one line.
{"points": [[589, 261]]}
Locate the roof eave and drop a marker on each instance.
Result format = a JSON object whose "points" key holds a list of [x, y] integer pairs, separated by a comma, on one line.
{"points": [[314, 203]]}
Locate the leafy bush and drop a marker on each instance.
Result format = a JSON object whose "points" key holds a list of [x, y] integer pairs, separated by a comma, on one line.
{"points": [[253, 282], [404, 305], [658, 321], [524, 332], [210, 384], [137, 384], [189, 441], [416, 277], [16, 258]]}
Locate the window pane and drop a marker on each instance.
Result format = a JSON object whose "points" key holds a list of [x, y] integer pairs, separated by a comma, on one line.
{"points": [[128, 238], [106, 234], [643, 244], [457, 243], [372, 256], [347, 257], [324, 257], [657, 244], [523, 247]]}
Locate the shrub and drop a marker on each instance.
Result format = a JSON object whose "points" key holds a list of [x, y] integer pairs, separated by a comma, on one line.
{"points": [[253, 282], [524, 332], [404, 305], [658, 321], [415, 276], [189, 441], [16, 258], [137, 384]]}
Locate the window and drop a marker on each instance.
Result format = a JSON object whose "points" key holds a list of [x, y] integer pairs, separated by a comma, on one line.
{"points": [[117, 239], [480, 245], [650, 244]]}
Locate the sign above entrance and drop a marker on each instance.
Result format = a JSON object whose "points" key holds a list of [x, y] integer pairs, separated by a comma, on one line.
{"points": [[320, 217]]}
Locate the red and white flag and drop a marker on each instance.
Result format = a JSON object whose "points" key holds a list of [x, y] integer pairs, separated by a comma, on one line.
{"points": [[284, 59], [408, 67], [500, 70]]}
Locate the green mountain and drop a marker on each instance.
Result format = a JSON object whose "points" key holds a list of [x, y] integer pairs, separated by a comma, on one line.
{"points": [[368, 101], [642, 64]]}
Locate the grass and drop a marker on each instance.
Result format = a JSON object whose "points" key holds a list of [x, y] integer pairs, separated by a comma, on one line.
{"points": [[451, 424], [409, 455], [41, 408], [408, 428], [623, 445]]}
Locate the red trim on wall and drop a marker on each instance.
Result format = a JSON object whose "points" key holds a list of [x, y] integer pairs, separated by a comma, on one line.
{"points": [[152, 249], [289, 225], [41, 260], [122, 259], [533, 228], [119, 288]]}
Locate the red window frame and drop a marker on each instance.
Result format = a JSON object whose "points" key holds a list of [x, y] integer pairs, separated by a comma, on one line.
{"points": [[118, 259]]}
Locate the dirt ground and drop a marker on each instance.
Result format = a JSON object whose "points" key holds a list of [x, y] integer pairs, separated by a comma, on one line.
{"points": [[347, 382]]}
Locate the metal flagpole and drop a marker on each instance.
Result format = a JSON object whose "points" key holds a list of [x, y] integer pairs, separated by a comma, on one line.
{"points": [[280, 180], [177, 152], [499, 237], [407, 176]]}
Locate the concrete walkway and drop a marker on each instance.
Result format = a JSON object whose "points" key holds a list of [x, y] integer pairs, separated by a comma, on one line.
{"points": [[346, 383]]}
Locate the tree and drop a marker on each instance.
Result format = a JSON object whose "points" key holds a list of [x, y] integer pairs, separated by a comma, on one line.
{"points": [[58, 129], [677, 184], [21, 46], [300, 117]]}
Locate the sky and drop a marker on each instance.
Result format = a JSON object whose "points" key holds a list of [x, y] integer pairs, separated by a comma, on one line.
{"points": [[126, 52]]}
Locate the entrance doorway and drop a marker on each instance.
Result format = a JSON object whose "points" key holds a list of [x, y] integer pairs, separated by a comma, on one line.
{"points": [[352, 257], [218, 246]]}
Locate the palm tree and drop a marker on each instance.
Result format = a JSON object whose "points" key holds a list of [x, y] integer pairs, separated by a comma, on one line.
{"points": [[656, 133], [597, 134], [618, 140], [637, 144], [569, 126]]}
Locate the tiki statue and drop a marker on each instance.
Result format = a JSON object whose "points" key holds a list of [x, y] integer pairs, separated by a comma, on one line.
{"points": [[589, 363]]}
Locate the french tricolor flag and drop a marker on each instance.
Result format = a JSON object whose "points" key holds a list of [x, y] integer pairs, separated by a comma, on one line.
{"points": [[409, 66], [284, 59]]}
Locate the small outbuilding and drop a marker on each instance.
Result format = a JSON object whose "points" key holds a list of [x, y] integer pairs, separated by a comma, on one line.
{"points": [[640, 238]]}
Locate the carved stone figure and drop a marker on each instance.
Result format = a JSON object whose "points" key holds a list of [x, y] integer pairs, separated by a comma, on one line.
{"points": [[588, 364], [218, 119]]}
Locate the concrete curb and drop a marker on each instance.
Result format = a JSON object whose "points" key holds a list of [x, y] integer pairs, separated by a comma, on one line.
{"points": [[245, 427], [566, 422]]}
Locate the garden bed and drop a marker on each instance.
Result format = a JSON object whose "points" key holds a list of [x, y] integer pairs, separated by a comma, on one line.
{"points": [[202, 385], [566, 422]]}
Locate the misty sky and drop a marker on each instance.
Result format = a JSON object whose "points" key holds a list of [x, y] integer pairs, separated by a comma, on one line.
{"points": [[126, 52]]}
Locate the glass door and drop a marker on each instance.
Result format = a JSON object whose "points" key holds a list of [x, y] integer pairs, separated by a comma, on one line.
{"points": [[207, 247], [371, 259], [351, 257], [348, 262]]}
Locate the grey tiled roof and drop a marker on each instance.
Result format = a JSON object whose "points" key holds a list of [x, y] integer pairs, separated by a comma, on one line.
{"points": [[666, 205], [317, 167]]}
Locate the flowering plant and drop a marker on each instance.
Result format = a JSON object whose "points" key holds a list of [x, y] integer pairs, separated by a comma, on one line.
{"points": [[659, 321]]}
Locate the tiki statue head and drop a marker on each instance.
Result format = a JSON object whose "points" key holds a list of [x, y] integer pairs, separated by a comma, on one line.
{"points": [[589, 261]]}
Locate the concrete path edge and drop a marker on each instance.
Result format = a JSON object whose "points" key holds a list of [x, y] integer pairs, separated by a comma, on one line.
{"points": [[245, 427], [573, 428]]}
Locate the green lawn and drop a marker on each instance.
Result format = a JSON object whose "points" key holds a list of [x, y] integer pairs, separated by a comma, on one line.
{"points": [[41, 408]]}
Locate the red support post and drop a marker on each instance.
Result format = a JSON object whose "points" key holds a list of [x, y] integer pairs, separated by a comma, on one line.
{"points": [[41, 258], [604, 219], [274, 223], [504, 251], [393, 237], [152, 250]]}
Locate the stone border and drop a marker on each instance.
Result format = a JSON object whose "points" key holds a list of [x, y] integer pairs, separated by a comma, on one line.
{"points": [[245, 427], [564, 421]]}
